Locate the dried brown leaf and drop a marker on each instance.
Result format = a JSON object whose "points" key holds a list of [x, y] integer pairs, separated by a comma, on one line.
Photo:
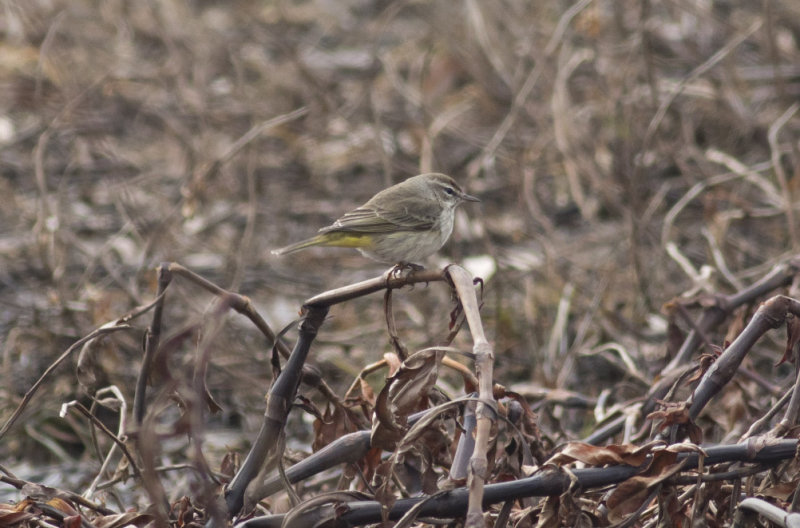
{"points": [[628, 496], [230, 464], [671, 414], [548, 518], [410, 386], [122, 520], [367, 394], [603, 455], [736, 325], [403, 394], [792, 339], [705, 361], [14, 518], [332, 425]]}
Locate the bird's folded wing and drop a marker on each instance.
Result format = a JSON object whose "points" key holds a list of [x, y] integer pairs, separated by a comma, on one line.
{"points": [[367, 219]]}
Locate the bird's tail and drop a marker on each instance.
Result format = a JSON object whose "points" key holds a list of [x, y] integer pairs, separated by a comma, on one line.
{"points": [[297, 246], [329, 238]]}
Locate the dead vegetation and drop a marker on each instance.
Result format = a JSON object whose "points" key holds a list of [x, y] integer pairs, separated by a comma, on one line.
{"points": [[637, 243]]}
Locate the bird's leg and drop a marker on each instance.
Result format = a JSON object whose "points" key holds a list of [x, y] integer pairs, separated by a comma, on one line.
{"points": [[400, 267], [411, 266]]}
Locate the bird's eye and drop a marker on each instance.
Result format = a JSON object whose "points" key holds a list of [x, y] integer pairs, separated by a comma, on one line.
{"points": [[449, 191]]}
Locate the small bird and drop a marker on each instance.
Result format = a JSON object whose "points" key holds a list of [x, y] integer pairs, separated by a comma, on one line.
{"points": [[402, 224]]}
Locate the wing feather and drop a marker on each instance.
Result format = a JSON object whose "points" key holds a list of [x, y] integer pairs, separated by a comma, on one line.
{"points": [[408, 213]]}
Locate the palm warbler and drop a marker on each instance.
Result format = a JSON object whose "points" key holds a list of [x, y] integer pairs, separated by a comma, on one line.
{"points": [[402, 224]]}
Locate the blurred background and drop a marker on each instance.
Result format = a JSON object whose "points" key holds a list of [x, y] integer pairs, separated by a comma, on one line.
{"points": [[625, 152]]}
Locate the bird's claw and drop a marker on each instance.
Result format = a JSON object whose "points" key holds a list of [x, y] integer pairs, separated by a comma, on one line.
{"points": [[400, 267]]}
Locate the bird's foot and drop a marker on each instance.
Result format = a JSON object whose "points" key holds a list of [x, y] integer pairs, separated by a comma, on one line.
{"points": [[401, 267]]}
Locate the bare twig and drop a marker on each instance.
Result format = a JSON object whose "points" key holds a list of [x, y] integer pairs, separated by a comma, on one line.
{"points": [[247, 488], [769, 315], [487, 407], [390, 279], [100, 425], [108, 328], [151, 340], [240, 303], [777, 166]]}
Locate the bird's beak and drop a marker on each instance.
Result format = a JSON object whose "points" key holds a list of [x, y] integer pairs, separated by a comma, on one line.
{"points": [[469, 198]]}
